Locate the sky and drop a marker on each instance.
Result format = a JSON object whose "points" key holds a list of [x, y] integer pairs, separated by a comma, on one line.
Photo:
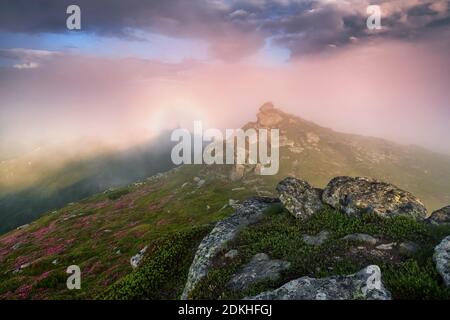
{"points": [[138, 67]]}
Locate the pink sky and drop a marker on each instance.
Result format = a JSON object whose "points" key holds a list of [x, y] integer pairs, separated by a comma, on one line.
{"points": [[388, 89], [124, 91]]}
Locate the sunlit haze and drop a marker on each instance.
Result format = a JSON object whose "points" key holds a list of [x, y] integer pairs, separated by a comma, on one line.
{"points": [[122, 81]]}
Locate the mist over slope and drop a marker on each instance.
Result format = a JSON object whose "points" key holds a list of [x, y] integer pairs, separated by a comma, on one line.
{"points": [[307, 151], [43, 183]]}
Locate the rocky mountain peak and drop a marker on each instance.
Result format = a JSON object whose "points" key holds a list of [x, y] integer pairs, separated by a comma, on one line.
{"points": [[267, 107], [269, 116]]}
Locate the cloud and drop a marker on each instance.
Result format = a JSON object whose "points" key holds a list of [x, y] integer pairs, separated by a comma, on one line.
{"points": [[27, 58], [26, 54], [236, 28], [27, 65]]}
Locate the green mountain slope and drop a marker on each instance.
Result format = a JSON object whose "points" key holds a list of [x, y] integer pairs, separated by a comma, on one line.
{"points": [[101, 233]]}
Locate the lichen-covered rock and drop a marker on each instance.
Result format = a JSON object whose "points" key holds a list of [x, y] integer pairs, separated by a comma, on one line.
{"points": [[366, 285], [260, 268], [362, 238], [441, 216], [316, 240], [248, 212], [355, 196], [299, 198], [442, 260]]}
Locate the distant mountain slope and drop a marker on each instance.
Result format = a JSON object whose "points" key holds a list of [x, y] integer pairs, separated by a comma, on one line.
{"points": [[317, 154], [47, 184], [102, 232]]}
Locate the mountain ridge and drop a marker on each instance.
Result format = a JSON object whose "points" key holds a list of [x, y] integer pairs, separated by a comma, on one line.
{"points": [[102, 232]]}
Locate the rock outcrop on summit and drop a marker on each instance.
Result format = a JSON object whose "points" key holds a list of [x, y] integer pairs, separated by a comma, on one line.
{"points": [[269, 116], [358, 195]]}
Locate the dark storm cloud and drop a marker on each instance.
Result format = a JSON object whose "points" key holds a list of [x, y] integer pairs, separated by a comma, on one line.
{"points": [[234, 28], [108, 17]]}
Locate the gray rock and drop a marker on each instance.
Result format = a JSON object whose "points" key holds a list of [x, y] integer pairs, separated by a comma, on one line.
{"points": [[299, 198], [233, 203], [136, 260], [250, 211], [25, 265], [184, 185], [231, 254], [408, 248], [386, 246], [362, 238], [316, 240], [441, 216], [200, 183], [260, 268], [364, 285], [355, 196], [442, 259]]}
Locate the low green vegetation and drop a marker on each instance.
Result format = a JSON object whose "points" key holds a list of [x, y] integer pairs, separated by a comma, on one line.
{"points": [[171, 214], [280, 236], [116, 194], [164, 271], [101, 233]]}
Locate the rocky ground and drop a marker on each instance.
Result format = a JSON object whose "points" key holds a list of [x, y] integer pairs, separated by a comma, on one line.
{"points": [[356, 239], [140, 241]]}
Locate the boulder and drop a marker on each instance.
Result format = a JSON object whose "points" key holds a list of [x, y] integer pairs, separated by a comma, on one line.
{"points": [[358, 195], [248, 212], [442, 259], [365, 285], [316, 240], [361, 238], [299, 198], [441, 216], [260, 268]]}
